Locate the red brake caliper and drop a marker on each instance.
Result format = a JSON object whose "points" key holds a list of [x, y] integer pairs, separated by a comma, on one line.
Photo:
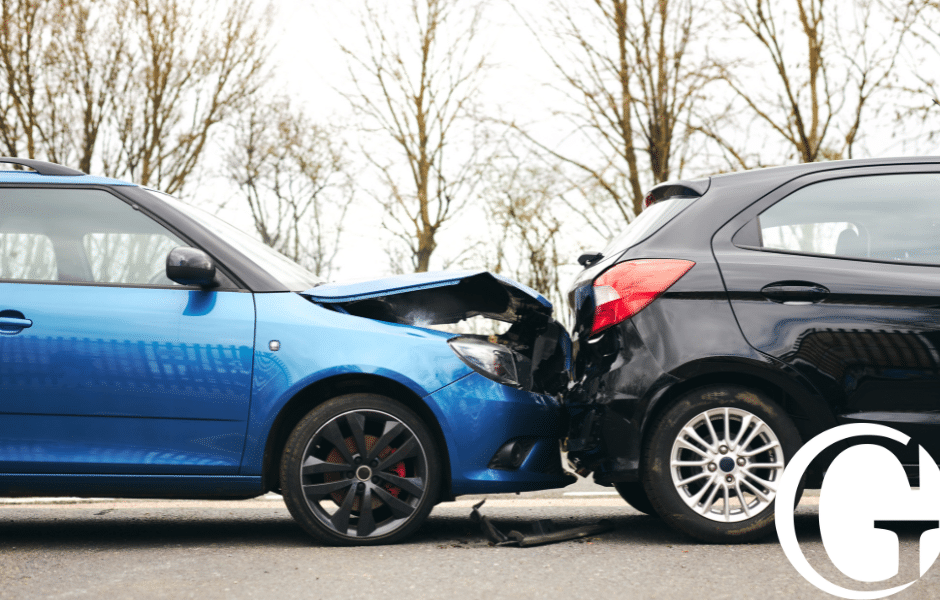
{"points": [[335, 457]]}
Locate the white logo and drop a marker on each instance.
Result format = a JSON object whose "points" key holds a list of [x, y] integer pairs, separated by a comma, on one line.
{"points": [[865, 499]]}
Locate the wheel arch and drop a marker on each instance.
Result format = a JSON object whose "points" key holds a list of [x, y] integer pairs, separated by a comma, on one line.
{"points": [[805, 406], [318, 392]]}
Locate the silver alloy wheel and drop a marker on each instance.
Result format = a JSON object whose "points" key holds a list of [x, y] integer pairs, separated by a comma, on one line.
{"points": [[364, 474], [726, 463]]}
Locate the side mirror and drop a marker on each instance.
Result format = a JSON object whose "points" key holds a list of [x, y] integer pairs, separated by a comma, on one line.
{"points": [[189, 266], [589, 258]]}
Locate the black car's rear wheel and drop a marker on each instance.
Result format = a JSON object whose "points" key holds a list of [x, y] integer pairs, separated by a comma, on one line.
{"points": [[360, 469], [714, 461]]}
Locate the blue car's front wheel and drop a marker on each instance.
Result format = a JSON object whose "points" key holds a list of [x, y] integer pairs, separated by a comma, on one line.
{"points": [[360, 469]]}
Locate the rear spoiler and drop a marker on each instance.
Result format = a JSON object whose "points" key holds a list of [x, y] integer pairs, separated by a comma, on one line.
{"points": [[671, 189]]}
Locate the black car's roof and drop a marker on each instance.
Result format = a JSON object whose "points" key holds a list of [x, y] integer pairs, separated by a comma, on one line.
{"points": [[772, 177]]}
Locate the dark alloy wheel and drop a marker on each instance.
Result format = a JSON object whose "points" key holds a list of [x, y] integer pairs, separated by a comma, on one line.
{"points": [[360, 469], [714, 460], [634, 494]]}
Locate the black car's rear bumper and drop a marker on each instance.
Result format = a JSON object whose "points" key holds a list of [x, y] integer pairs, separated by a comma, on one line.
{"points": [[607, 407]]}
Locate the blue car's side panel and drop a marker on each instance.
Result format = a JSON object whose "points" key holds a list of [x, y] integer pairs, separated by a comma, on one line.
{"points": [[83, 444], [316, 343], [478, 416], [130, 486], [125, 380]]}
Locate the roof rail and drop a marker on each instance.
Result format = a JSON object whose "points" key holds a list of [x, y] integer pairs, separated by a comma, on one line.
{"points": [[669, 189], [40, 166]]}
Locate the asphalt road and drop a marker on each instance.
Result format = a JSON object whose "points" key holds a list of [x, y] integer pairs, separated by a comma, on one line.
{"points": [[252, 549]]}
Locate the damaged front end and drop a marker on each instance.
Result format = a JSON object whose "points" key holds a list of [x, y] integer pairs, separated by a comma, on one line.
{"points": [[532, 355]]}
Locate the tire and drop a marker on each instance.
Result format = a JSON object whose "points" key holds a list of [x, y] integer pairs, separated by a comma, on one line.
{"points": [[345, 497], [635, 496], [722, 490]]}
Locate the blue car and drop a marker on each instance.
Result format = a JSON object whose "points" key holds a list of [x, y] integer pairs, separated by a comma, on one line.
{"points": [[148, 349]]}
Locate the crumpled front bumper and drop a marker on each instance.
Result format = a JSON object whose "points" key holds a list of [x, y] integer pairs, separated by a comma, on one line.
{"points": [[479, 417]]}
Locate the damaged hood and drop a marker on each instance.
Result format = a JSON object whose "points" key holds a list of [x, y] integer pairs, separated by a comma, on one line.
{"points": [[436, 298], [534, 354]]}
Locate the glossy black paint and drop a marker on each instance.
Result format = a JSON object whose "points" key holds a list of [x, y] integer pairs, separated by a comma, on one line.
{"points": [[190, 266], [832, 340]]}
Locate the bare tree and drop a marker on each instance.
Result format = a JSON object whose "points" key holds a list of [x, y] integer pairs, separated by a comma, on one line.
{"points": [[137, 101], [61, 66], [634, 74], [815, 100], [292, 175], [923, 86], [192, 73], [523, 199], [94, 68], [23, 52], [414, 83]]}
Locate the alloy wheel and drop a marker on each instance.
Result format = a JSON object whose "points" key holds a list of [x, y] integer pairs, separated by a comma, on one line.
{"points": [[726, 464], [363, 474]]}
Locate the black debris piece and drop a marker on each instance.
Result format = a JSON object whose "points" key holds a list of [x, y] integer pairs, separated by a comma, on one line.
{"points": [[543, 531]]}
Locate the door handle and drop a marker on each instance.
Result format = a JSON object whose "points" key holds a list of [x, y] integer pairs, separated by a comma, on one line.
{"points": [[11, 324], [794, 292]]}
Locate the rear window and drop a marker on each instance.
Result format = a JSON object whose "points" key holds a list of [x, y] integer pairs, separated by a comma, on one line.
{"points": [[647, 223]]}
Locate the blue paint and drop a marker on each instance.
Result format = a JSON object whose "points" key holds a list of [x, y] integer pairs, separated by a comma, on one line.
{"points": [[123, 380], [32, 178], [318, 344], [131, 486], [478, 415], [145, 381]]}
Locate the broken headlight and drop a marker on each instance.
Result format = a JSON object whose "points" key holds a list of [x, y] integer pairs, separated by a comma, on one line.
{"points": [[494, 361]]}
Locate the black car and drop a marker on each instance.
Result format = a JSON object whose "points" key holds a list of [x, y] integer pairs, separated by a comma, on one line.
{"points": [[739, 316]]}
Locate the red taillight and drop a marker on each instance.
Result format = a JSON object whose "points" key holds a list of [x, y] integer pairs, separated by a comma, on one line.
{"points": [[627, 288]]}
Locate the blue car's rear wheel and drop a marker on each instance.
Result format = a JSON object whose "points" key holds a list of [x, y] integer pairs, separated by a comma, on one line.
{"points": [[360, 469]]}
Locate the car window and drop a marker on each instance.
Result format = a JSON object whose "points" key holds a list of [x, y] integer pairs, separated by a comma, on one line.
{"points": [[647, 223], [27, 256], [129, 257], [814, 238], [289, 273], [882, 217], [85, 236]]}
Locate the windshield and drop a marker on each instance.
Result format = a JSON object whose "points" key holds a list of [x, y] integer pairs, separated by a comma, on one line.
{"points": [[292, 275], [647, 223]]}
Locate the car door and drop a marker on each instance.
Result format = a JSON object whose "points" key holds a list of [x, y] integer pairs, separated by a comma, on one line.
{"points": [[107, 366], [838, 276]]}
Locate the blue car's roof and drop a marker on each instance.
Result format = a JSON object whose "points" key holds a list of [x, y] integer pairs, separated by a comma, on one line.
{"points": [[31, 177]]}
